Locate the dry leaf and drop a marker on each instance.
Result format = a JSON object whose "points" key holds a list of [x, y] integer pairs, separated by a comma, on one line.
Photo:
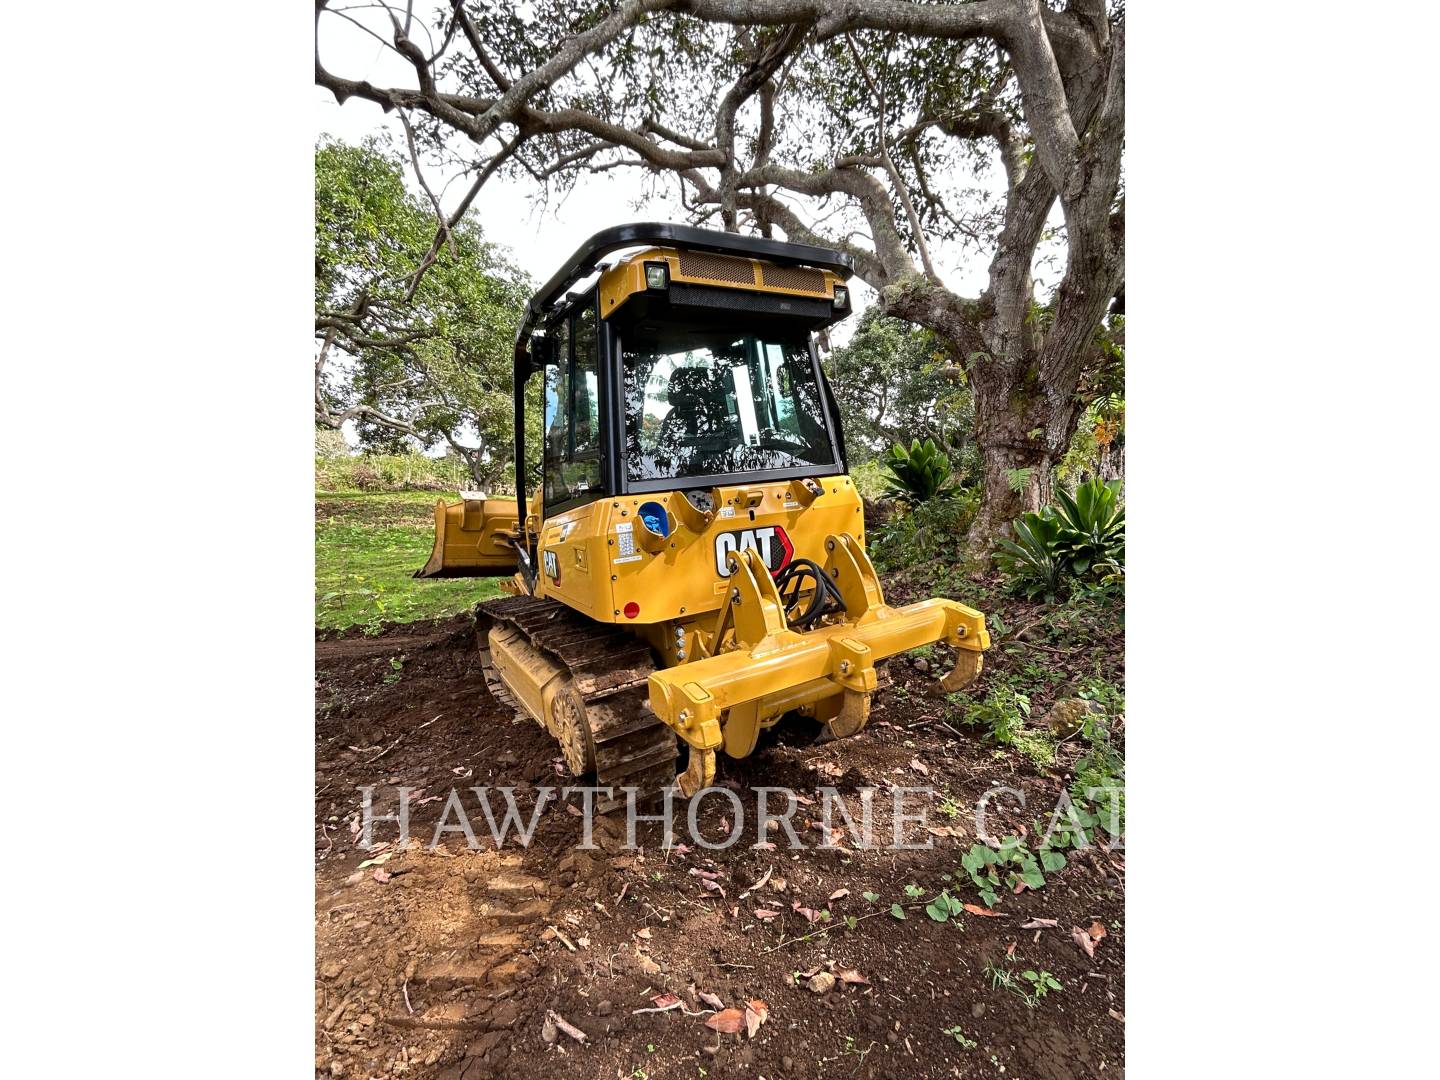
{"points": [[710, 999], [1039, 924], [756, 1013], [708, 875], [820, 982], [647, 965], [765, 913], [666, 1001], [759, 884], [919, 766], [713, 886], [809, 914], [976, 909], [644, 932], [839, 894], [730, 1021], [1010, 951], [382, 875], [1083, 940], [1097, 930], [850, 975]]}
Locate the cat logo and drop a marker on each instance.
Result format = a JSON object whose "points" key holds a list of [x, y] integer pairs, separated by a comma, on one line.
{"points": [[771, 542], [552, 566]]}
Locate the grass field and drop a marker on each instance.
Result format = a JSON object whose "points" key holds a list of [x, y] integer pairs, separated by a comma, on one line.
{"points": [[366, 547]]}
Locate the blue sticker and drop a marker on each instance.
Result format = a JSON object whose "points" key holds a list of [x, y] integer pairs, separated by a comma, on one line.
{"points": [[655, 518]]}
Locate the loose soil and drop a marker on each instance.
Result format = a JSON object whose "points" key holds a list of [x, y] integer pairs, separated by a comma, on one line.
{"points": [[445, 962]]}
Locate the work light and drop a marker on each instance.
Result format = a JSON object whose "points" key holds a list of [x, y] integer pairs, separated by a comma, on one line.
{"points": [[842, 296], [657, 275]]}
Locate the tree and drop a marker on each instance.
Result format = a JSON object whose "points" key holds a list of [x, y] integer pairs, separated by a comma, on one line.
{"points": [[894, 382], [859, 125], [424, 358]]}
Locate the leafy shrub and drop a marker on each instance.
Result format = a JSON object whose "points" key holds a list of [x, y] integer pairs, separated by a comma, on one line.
{"points": [[390, 472], [993, 870], [1002, 713], [1032, 560], [1079, 537], [929, 532], [917, 473], [1092, 525]]}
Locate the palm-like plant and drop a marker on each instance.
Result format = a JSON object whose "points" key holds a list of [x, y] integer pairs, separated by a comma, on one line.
{"points": [[1033, 560], [917, 473], [1092, 525]]}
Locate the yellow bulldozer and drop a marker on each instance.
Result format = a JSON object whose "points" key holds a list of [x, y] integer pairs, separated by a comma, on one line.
{"points": [[693, 566]]}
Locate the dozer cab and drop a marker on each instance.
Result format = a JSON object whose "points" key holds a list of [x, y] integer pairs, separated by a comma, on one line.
{"points": [[693, 566]]}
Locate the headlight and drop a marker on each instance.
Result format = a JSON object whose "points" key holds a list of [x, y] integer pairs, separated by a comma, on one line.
{"points": [[842, 296], [657, 275]]}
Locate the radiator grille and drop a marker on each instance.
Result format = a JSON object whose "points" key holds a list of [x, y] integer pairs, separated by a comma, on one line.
{"points": [[794, 277], [701, 264]]}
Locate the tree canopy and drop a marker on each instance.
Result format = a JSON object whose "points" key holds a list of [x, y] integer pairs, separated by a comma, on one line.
{"points": [[876, 127], [406, 356]]}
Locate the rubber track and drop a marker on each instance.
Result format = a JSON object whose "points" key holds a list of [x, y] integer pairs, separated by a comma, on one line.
{"points": [[611, 670]]}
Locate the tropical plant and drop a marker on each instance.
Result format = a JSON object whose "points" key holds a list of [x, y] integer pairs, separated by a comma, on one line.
{"points": [[1033, 559], [1080, 535], [1092, 525], [918, 473]]}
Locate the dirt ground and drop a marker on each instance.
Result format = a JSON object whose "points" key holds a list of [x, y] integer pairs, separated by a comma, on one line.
{"points": [[447, 962]]}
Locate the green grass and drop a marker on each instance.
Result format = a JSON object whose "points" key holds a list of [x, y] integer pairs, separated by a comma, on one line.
{"points": [[366, 548]]}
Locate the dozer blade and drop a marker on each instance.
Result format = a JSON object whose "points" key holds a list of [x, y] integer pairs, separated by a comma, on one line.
{"points": [[472, 538]]}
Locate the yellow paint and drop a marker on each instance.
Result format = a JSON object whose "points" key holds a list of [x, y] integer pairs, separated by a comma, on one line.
{"points": [[627, 277]]}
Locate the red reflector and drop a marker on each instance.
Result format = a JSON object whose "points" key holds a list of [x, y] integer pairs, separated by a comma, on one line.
{"points": [[632, 609]]}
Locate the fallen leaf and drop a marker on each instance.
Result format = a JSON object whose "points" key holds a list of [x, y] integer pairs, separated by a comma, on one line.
{"points": [[756, 1013], [376, 861], [1020, 887], [976, 909], [839, 894], [730, 1021], [1083, 940], [647, 965], [1117, 1016], [850, 975], [809, 914], [382, 875], [820, 982], [759, 884], [708, 875], [666, 1001], [713, 886], [571, 808], [919, 766], [765, 913], [644, 932], [681, 849], [1097, 930], [1039, 924], [1010, 951], [710, 999]]}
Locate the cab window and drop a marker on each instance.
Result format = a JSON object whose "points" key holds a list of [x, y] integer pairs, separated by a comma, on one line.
{"points": [[572, 412]]}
